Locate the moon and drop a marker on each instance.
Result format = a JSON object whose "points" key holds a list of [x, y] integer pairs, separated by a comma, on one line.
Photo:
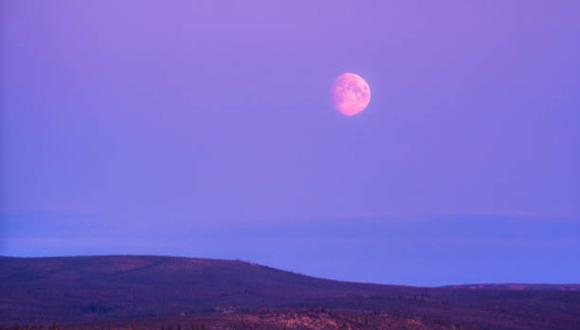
{"points": [[351, 94]]}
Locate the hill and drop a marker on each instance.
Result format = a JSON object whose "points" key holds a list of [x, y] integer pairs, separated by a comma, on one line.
{"points": [[146, 290]]}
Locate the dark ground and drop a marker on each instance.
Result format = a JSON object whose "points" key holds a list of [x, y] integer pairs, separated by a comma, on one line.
{"points": [[156, 292]]}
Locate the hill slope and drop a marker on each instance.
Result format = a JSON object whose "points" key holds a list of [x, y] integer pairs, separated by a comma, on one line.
{"points": [[82, 290]]}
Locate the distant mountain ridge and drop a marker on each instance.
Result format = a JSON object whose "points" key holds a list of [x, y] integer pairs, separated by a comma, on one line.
{"points": [[84, 290], [518, 286]]}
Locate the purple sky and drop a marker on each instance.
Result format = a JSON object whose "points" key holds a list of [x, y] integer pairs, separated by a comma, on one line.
{"points": [[205, 128]]}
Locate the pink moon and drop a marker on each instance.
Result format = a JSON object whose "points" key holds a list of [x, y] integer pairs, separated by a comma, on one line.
{"points": [[351, 94]]}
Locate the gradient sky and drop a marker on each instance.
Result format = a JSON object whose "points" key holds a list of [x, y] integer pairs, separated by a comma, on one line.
{"points": [[204, 128]]}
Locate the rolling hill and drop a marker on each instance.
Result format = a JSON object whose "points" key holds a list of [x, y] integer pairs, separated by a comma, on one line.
{"points": [[145, 291]]}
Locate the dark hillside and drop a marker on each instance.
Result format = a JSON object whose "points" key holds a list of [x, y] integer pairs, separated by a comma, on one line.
{"points": [[84, 290]]}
